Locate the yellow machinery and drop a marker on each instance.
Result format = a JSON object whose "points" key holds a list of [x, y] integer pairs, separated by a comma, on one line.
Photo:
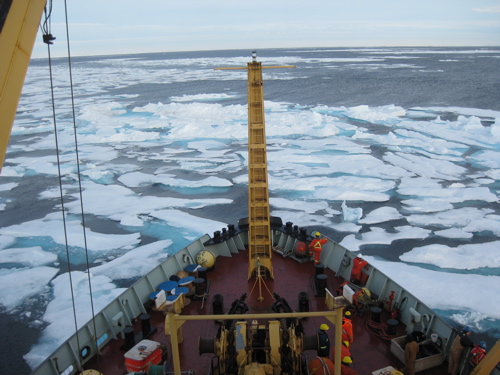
{"points": [[258, 344], [18, 28]]}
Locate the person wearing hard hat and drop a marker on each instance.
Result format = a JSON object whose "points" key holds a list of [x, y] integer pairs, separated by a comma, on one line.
{"points": [[346, 361], [345, 352], [477, 354], [344, 367], [316, 246], [324, 341], [461, 342], [347, 333]]}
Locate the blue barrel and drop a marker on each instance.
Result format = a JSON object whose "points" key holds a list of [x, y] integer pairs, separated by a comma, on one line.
{"points": [[191, 268], [180, 290], [153, 295], [186, 280], [172, 298], [167, 286]]}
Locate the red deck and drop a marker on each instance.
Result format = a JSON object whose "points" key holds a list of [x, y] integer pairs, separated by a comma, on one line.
{"points": [[229, 278]]}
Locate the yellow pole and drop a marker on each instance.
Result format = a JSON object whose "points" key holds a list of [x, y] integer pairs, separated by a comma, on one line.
{"points": [[17, 37], [172, 324], [338, 339]]}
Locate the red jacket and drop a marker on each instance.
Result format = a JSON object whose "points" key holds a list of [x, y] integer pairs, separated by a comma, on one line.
{"points": [[317, 244], [476, 355]]}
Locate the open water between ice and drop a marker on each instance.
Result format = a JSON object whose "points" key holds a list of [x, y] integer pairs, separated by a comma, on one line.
{"points": [[408, 138]]}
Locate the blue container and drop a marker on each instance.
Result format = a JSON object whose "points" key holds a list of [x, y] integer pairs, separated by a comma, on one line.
{"points": [[167, 286], [191, 268], [179, 290], [186, 280], [153, 295]]}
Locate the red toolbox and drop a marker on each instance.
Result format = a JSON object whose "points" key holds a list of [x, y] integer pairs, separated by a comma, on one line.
{"points": [[141, 355]]}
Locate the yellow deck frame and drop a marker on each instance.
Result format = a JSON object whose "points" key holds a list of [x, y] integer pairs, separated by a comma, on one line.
{"points": [[174, 322], [17, 39]]}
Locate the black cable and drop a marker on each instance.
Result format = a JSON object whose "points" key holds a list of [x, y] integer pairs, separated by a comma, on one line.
{"points": [[48, 38], [80, 190], [62, 197]]}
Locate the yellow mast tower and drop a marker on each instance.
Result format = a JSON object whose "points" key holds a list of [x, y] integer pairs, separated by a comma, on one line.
{"points": [[259, 218]]}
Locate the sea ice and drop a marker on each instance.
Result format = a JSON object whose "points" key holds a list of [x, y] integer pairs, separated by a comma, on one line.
{"points": [[351, 214], [28, 256], [380, 236], [453, 233], [316, 160], [20, 283], [424, 283], [381, 215], [60, 313], [135, 263], [466, 257], [52, 226]]}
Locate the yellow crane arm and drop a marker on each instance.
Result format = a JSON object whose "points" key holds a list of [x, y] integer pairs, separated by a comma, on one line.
{"points": [[19, 20]]}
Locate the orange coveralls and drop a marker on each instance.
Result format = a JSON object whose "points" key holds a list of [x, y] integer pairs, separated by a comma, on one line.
{"points": [[315, 247], [347, 334]]}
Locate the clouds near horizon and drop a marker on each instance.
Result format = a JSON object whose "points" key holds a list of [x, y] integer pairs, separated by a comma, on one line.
{"points": [[121, 26]]}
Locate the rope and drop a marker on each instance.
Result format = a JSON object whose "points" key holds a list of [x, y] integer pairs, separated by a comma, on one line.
{"points": [[324, 367], [79, 178], [379, 329], [62, 197], [48, 39]]}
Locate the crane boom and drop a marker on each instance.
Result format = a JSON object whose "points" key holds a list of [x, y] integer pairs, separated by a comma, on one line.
{"points": [[18, 29]]}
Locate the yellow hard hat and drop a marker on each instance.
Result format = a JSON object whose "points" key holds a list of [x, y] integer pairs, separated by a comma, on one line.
{"points": [[347, 360], [324, 327], [347, 313], [317, 234], [346, 343]]}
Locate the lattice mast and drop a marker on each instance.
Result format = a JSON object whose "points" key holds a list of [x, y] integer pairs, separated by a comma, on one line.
{"points": [[259, 218]]}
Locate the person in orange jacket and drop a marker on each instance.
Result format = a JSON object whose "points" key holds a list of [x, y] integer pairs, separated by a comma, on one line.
{"points": [[345, 352], [316, 246], [347, 334], [477, 354]]}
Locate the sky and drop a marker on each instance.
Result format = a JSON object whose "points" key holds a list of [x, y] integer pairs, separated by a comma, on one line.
{"points": [[126, 26]]}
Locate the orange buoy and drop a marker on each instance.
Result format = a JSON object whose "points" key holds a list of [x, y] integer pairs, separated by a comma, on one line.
{"points": [[301, 249], [321, 366]]}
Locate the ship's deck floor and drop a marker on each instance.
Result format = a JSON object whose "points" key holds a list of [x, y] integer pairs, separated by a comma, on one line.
{"points": [[229, 278]]}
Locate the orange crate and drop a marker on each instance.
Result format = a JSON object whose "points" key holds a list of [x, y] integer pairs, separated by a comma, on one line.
{"points": [[141, 355]]}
